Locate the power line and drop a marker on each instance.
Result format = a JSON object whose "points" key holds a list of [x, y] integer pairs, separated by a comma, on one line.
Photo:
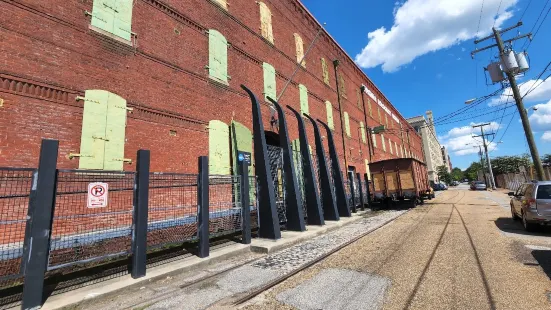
{"points": [[537, 30], [533, 87], [526, 9], [462, 110], [535, 24], [480, 18], [497, 13]]}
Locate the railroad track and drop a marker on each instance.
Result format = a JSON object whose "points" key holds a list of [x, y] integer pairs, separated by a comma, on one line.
{"points": [[407, 235]]}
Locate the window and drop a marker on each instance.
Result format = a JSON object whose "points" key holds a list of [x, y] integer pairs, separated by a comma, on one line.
{"points": [[347, 124], [303, 99], [369, 108], [374, 138], [380, 117], [114, 17], [342, 86], [266, 22], [383, 142], [362, 130], [103, 131], [396, 148], [544, 192], [386, 120], [269, 81], [329, 109], [367, 169], [390, 146], [300, 50], [219, 148], [222, 3], [325, 71], [218, 57], [359, 99]]}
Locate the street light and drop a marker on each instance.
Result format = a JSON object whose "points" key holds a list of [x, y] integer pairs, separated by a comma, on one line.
{"points": [[470, 101]]}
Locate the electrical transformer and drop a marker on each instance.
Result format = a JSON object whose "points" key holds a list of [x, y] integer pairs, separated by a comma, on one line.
{"points": [[522, 61], [509, 62], [496, 73]]}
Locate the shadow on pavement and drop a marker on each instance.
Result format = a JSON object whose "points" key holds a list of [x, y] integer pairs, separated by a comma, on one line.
{"points": [[544, 260], [508, 225]]}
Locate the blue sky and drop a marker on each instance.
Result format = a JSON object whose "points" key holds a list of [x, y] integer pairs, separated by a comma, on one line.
{"points": [[418, 54]]}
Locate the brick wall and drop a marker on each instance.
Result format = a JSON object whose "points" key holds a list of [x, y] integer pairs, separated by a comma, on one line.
{"points": [[49, 56]]}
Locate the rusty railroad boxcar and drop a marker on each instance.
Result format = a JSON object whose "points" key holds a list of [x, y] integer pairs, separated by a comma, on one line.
{"points": [[399, 180]]}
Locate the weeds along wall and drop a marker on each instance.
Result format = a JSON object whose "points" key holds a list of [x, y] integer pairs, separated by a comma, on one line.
{"points": [[109, 77]]}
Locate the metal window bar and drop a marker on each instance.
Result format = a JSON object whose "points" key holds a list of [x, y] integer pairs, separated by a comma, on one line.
{"points": [[315, 167], [172, 213], [348, 192], [253, 199], [275, 155], [332, 179], [81, 234], [224, 205], [357, 191], [364, 191], [299, 165], [15, 187]]}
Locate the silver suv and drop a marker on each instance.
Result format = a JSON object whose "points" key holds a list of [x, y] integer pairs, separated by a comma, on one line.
{"points": [[532, 203]]}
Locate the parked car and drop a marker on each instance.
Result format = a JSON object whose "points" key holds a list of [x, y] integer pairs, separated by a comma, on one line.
{"points": [[444, 186], [532, 203], [437, 187], [478, 186]]}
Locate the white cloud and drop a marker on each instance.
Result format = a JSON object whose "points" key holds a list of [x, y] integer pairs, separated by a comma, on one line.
{"points": [[424, 26], [541, 119], [540, 91], [546, 136], [460, 142]]}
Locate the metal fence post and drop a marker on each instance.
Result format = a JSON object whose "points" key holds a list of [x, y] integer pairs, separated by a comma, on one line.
{"points": [[352, 191], [40, 232], [203, 208], [139, 220], [362, 204], [245, 202]]}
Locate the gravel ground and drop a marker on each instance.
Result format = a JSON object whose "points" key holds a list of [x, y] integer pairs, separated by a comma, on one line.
{"points": [[448, 254], [216, 291]]}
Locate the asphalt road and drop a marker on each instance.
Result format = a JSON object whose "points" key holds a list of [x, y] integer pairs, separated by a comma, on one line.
{"points": [[459, 251]]}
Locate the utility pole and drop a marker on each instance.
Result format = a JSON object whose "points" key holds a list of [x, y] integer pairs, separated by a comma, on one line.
{"points": [[516, 93], [492, 181]]}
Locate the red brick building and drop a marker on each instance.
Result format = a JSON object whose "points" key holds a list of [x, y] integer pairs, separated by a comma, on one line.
{"points": [[109, 77]]}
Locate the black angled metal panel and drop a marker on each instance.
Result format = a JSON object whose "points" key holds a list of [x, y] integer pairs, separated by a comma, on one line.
{"points": [[295, 215], [267, 212], [330, 211], [340, 193], [313, 205]]}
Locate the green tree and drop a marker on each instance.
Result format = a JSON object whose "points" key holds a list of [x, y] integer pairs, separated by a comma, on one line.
{"points": [[471, 173], [510, 164], [457, 174], [444, 175]]}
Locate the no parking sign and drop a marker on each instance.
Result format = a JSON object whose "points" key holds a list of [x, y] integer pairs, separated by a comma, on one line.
{"points": [[97, 195]]}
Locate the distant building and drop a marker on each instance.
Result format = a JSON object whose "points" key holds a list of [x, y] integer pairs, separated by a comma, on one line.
{"points": [[446, 159], [431, 147]]}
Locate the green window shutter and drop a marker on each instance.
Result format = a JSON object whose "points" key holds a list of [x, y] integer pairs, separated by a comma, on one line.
{"points": [[122, 26], [325, 71], [342, 85], [222, 3], [390, 146], [269, 81], [241, 140], [362, 129], [115, 133], [396, 148], [103, 14], [359, 99], [329, 109], [94, 120], [303, 99], [386, 120], [347, 124], [218, 56], [219, 148], [367, 170], [383, 142], [374, 138], [380, 118]]}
